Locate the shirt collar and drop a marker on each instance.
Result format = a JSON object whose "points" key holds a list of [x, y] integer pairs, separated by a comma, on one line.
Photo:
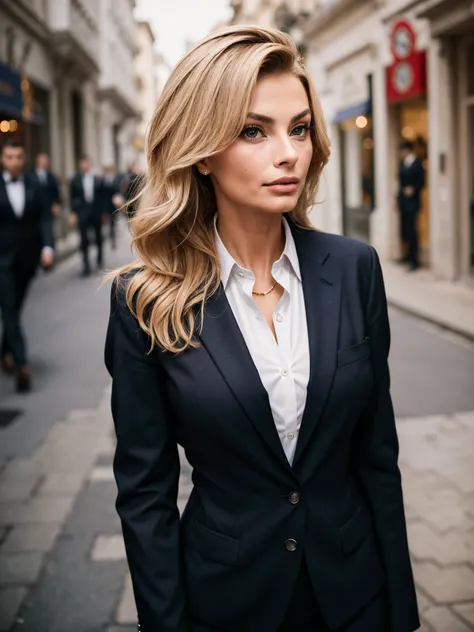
{"points": [[228, 262], [7, 177]]}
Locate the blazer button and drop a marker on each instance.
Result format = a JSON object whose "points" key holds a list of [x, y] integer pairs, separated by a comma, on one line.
{"points": [[294, 498], [290, 545]]}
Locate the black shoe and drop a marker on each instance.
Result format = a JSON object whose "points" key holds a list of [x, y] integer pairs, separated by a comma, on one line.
{"points": [[8, 364], [414, 267], [23, 380], [402, 261], [85, 273]]}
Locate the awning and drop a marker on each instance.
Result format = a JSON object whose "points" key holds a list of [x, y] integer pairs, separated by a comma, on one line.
{"points": [[11, 98], [360, 109]]}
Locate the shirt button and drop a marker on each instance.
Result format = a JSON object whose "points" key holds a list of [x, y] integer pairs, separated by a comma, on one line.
{"points": [[241, 274], [294, 498], [284, 372], [291, 435], [279, 318], [290, 545]]}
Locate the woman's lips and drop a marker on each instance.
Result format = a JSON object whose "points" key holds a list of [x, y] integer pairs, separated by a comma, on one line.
{"points": [[284, 186]]}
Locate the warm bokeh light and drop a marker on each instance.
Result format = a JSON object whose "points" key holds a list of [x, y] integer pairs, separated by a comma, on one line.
{"points": [[361, 122], [13, 125], [368, 144], [4, 126]]}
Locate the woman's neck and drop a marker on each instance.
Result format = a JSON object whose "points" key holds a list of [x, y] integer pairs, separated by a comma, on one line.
{"points": [[255, 242]]}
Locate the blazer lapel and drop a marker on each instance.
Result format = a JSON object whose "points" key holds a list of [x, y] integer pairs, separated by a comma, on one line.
{"points": [[4, 199], [322, 294], [222, 338]]}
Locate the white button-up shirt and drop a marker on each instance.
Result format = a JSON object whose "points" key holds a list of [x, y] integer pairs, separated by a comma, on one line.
{"points": [[42, 176], [283, 366], [88, 185], [15, 193]]}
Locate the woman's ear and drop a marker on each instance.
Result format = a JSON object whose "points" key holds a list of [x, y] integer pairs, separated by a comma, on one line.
{"points": [[203, 168]]}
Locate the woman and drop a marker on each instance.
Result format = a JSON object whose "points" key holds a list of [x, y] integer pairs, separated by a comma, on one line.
{"points": [[260, 346]]}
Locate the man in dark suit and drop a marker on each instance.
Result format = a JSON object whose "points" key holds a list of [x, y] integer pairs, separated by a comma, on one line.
{"points": [[26, 238], [49, 182], [86, 199], [412, 181]]}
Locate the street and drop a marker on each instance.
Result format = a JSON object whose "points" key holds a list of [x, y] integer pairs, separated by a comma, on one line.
{"points": [[62, 561]]}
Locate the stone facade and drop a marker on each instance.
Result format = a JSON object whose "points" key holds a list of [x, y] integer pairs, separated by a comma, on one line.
{"points": [[348, 52], [146, 65], [76, 60]]}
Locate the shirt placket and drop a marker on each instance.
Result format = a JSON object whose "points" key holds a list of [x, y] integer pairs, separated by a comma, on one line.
{"points": [[282, 323]]}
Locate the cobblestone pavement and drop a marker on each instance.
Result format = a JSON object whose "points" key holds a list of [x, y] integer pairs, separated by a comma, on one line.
{"points": [[60, 541]]}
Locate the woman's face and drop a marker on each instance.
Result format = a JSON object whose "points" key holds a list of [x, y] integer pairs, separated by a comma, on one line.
{"points": [[275, 144]]}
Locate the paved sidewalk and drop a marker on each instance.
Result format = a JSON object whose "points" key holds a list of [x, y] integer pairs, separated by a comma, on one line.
{"points": [[62, 559], [446, 304]]}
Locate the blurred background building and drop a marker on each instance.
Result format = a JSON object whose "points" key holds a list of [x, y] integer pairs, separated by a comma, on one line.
{"points": [[387, 71], [76, 76]]}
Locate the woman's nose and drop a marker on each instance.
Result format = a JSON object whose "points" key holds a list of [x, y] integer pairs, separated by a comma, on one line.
{"points": [[285, 152]]}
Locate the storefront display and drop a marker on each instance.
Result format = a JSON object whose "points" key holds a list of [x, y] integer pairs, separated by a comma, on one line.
{"points": [[407, 98], [357, 166]]}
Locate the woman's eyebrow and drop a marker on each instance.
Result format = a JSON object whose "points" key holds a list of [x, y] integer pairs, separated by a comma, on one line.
{"points": [[267, 119]]}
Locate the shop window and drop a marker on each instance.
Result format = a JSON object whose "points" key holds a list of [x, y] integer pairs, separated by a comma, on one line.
{"points": [[471, 181], [358, 178], [470, 69]]}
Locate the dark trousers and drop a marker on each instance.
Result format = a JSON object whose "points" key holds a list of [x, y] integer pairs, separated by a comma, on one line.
{"points": [[113, 228], [303, 614], [14, 284], [91, 224], [409, 234]]}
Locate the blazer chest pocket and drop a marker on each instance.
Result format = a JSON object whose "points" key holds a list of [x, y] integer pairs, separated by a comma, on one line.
{"points": [[211, 544], [358, 352]]}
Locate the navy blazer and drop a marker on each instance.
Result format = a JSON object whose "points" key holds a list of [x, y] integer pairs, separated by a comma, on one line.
{"points": [[50, 187], [412, 176], [78, 202], [224, 565]]}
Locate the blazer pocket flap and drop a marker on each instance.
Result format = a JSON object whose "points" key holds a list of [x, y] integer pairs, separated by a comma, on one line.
{"points": [[212, 544], [354, 353], [353, 532]]}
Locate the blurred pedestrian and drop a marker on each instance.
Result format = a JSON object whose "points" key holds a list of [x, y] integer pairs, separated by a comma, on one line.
{"points": [[87, 211], [411, 183], [260, 346], [49, 183], [112, 201], [26, 239], [130, 188]]}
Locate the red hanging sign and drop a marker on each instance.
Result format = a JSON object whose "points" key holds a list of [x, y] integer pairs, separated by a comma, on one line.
{"points": [[406, 77]]}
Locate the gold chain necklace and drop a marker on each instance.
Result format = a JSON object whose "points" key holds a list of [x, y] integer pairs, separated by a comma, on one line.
{"points": [[265, 293]]}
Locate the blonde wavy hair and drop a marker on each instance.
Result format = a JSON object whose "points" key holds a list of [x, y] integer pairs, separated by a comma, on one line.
{"points": [[201, 111]]}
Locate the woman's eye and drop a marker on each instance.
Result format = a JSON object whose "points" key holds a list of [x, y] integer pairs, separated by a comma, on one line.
{"points": [[301, 130], [252, 133]]}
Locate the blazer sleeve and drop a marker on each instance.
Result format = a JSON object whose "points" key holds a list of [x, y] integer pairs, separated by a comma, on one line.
{"points": [[377, 465], [146, 468], [54, 186], [73, 196], [47, 233], [419, 177]]}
